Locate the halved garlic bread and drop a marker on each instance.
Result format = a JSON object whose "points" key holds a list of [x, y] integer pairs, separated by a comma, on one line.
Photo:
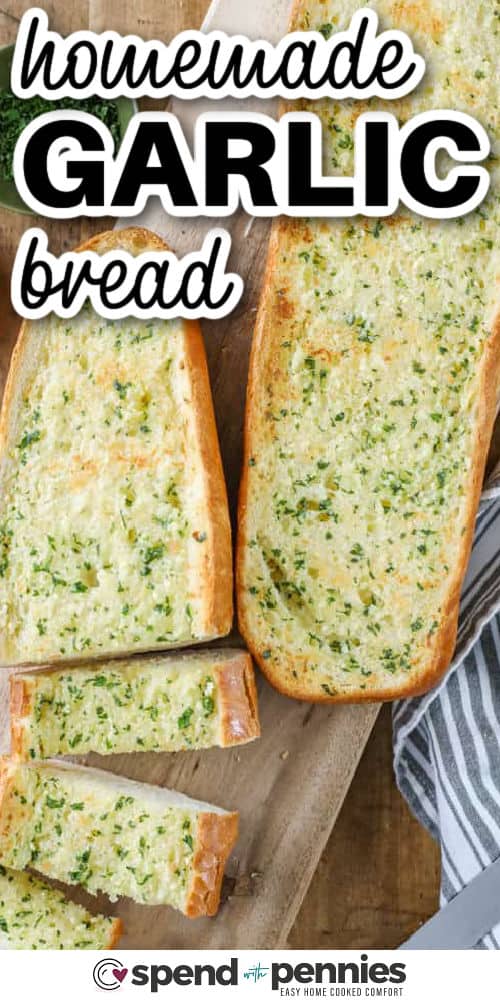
{"points": [[182, 701], [114, 526], [108, 834], [372, 393]]}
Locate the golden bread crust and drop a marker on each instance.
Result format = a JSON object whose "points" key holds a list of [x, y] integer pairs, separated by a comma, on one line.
{"points": [[13, 813], [216, 836], [115, 933], [219, 553], [20, 708], [238, 701]]}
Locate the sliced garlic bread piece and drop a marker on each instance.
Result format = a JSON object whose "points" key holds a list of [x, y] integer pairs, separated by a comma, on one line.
{"points": [[373, 382], [177, 702], [114, 527], [106, 833], [34, 915]]}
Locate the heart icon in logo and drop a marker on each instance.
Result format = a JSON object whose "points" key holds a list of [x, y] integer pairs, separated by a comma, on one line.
{"points": [[120, 974]]}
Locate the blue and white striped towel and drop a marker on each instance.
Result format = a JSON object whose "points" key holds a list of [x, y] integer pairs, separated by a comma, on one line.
{"points": [[447, 742]]}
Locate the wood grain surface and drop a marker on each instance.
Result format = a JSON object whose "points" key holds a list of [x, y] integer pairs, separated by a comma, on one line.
{"points": [[377, 877]]}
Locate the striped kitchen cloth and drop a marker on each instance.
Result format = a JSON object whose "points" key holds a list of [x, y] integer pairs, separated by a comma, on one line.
{"points": [[447, 742]]}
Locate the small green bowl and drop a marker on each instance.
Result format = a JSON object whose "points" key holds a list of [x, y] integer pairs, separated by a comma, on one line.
{"points": [[9, 196]]}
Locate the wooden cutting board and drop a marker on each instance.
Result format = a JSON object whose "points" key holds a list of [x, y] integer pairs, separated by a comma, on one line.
{"points": [[288, 786]]}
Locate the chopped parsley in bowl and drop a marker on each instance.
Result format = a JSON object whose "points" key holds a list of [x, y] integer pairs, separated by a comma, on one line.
{"points": [[16, 113]]}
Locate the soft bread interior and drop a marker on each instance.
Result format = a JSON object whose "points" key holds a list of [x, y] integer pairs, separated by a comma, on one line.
{"points": [[153, 796]]}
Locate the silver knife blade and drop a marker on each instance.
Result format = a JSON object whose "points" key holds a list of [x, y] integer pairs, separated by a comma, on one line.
{"points": [[464, 920], [258, 19]]}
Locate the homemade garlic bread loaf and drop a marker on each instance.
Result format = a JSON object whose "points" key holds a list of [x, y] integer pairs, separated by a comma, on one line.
{"points": [[114, 528], [106, 833], [372, 392], [34, 915], [179, 702]]}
